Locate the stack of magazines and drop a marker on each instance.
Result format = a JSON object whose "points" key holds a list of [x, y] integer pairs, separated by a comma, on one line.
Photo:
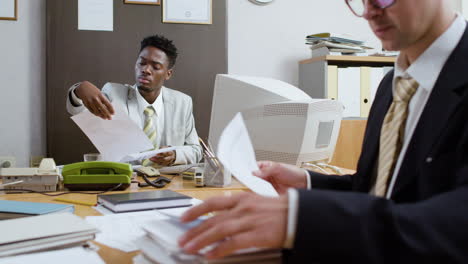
{"points": [[323, 44], [159, 245]]}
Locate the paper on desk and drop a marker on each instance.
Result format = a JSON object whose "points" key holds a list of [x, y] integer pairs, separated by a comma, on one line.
{"points": [[75, 255], [145, 155], [120, 230], [114, 138], [236, 153]]}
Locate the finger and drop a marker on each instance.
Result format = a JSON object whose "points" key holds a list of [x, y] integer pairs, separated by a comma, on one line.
{"points": [[108, 105], [195, 231], [156, 159], [264, 164], [92, 108], [266, 170], [103, 108], [240, 241], [222, 228], [213, 204]]}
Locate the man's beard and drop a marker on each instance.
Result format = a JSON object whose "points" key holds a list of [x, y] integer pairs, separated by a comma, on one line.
{"points": [[145, 89]]}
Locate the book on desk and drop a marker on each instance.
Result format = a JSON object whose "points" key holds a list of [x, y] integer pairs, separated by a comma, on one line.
{"points": [[138, 201]]}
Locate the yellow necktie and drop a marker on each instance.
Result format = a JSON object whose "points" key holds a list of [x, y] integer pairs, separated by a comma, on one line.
{"points": [[149, 130], [393, 132]]}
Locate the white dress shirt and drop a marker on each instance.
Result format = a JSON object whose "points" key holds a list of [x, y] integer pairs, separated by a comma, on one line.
{"points": [[425, 70]]}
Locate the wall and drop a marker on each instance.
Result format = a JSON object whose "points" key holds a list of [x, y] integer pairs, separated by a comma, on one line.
{"points": [[269, 40], [101, 57], [464, 7], [22, 76]]}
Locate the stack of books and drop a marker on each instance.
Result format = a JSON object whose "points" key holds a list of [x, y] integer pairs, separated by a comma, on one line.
{"points": [[323, 44], [160, 246]]}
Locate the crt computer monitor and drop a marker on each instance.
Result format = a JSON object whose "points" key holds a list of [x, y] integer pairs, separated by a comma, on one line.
{"points": [[284, 123]]}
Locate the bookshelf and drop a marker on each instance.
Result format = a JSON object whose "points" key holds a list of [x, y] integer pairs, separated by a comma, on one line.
{"points": [[313, 73], [316, 81]]}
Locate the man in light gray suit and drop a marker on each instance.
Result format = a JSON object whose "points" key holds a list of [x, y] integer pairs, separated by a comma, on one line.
{"points": [[164, 114]]}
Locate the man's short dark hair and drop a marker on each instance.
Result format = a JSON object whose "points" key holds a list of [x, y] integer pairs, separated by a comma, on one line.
{"points": [[163, 44]]}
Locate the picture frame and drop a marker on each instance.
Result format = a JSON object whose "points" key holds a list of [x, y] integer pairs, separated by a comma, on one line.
{"points": [[143, 2], [9, 10], [187, 11]]}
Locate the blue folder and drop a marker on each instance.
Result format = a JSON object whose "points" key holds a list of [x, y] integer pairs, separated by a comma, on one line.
{"points": [[14, 209]]}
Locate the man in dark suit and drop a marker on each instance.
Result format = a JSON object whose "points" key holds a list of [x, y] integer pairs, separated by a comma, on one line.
{"points": [[408, 200]]}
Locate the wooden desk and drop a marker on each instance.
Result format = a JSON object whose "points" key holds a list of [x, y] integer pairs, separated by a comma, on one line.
{"points": [[111, 255]]}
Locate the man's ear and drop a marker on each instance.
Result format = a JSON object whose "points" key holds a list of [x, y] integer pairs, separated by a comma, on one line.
{"points": [[169, 74]]}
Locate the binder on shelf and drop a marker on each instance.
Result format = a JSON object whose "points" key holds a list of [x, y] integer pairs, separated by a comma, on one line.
{"points": [[349, 90], [376, 75], [332, 82], [365, 98]]}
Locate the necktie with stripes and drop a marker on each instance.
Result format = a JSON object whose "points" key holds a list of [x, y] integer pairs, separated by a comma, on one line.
{"points": [[149, 129], [393, 132]]}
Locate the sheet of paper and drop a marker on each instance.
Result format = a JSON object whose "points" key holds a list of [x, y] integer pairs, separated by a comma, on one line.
{"points": [[236, 153], [75, 255], [96, 15], [145, 155], [120, 230], [114, 138]]}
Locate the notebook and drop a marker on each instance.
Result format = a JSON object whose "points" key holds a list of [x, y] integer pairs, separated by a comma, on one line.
{"points": [[127, 202], [15, 209], [36, 233]]}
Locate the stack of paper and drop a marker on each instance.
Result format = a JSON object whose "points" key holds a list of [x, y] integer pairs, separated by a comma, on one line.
{"points": [[160, 246], [37, 233], [323, 44]]}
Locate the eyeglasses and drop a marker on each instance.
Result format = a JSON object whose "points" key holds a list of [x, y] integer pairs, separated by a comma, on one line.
{"points": [[359, 6]]}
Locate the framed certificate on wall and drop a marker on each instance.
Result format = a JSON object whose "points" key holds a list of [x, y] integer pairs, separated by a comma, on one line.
{"points": [[187, 11], [8, 10], [143, 2]]}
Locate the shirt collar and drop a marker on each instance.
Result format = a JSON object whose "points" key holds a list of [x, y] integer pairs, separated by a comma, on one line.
{"points": [[427, 67], [157, 105]]}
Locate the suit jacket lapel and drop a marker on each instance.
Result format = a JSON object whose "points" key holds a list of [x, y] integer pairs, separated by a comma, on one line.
{"points": [[443, 101], [370, 149], [132, 105], [168, 114]]}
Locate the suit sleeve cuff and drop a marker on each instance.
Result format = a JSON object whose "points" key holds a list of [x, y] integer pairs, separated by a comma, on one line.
{"points": [[178, 158], [293, 200], [73, 98]]}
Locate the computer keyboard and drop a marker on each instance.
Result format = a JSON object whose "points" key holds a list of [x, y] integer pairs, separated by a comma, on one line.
{"points": [[179, 168]]}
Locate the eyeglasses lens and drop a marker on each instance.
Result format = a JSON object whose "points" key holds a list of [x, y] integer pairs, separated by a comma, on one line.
{"points": [[358, 6]]}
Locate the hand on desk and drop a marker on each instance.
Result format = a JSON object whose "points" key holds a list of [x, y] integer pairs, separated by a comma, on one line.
{"points": [[95, 101], [281, 176], [164, 158], [242, 221]]}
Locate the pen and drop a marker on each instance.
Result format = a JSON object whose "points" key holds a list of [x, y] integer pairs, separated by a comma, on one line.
{"points": [[74, 201]]}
